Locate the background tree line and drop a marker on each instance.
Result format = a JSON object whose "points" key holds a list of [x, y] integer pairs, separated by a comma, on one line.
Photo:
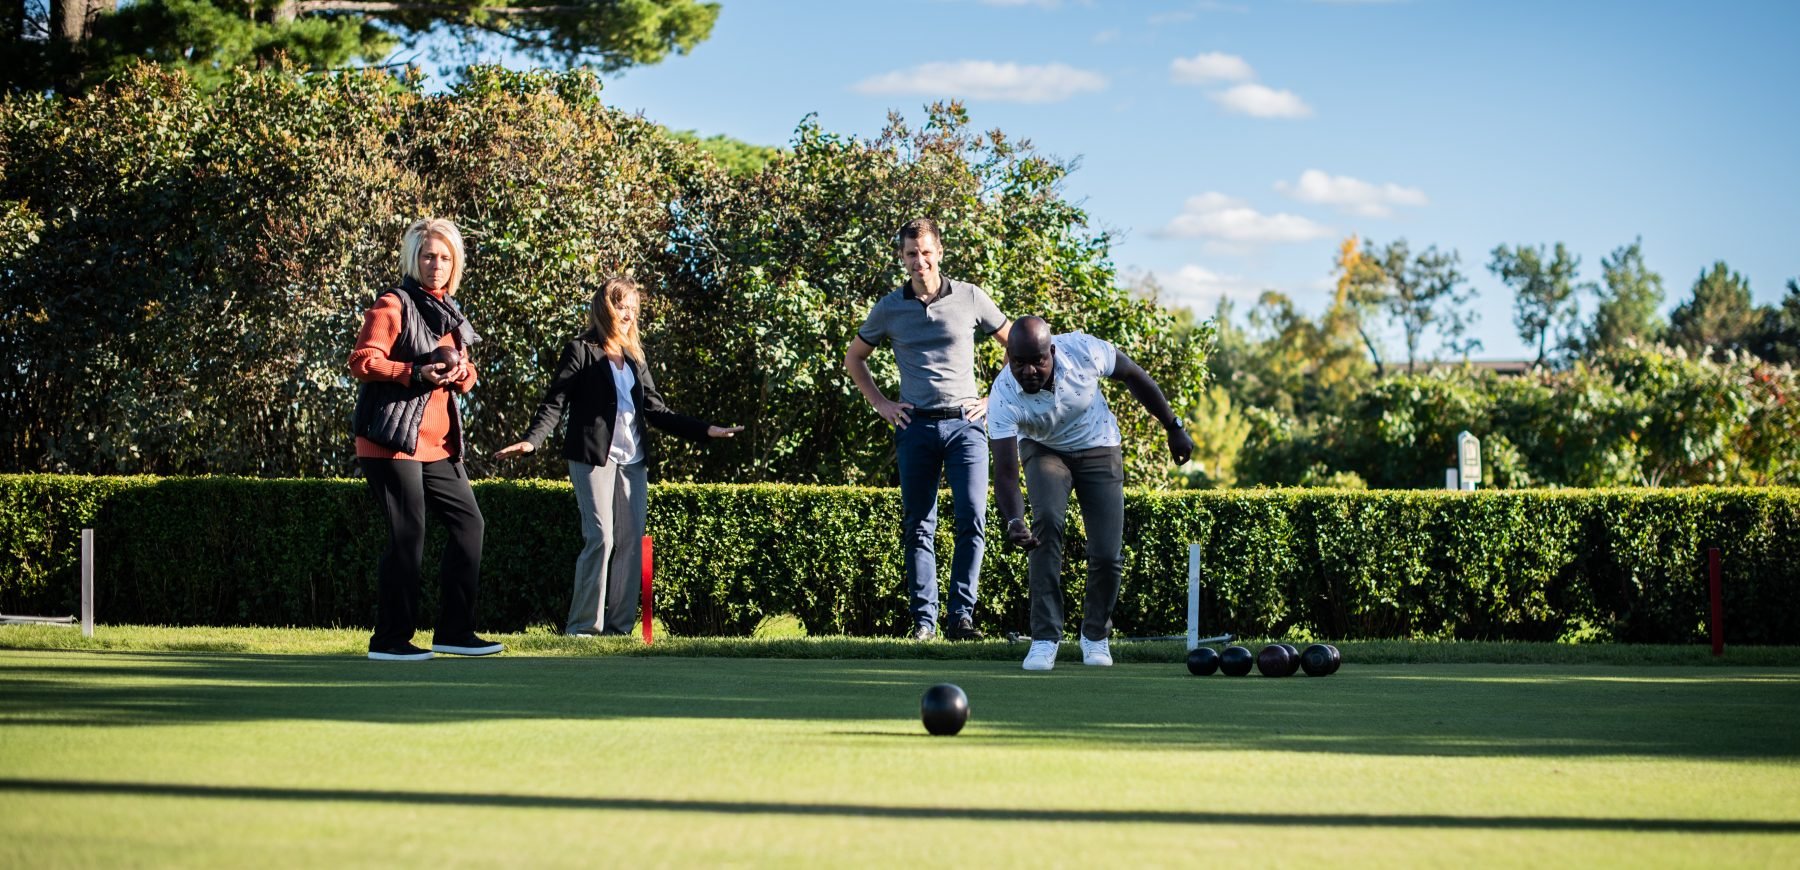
{"points": [[71, 45], [1620, 397], [183, 269]]}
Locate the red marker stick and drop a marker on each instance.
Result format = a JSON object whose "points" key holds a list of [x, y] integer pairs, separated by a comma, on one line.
{"points": [[650, 597]]}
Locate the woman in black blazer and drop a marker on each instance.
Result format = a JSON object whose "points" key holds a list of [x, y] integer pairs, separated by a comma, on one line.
{"points": [[603, 385]]}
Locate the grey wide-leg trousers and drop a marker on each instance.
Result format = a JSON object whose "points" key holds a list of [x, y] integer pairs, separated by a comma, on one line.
{"points": [[1097, 478], [613, 504]]}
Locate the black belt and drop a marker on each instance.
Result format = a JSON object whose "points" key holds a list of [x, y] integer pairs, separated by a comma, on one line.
{"points": [[935, 413]]}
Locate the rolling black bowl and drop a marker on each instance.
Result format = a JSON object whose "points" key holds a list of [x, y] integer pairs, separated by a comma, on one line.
{"points": [[1202, 661], [944, 709], [1336, 659]]}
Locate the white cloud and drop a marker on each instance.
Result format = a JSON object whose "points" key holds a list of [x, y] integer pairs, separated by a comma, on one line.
{"points": [[1212, 66], [1111, 34], [1352, 195], [1261, 101], [986, 80], [1200, 288], [1217, 217]]}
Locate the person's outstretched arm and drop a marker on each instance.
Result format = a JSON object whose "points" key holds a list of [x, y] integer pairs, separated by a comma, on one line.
{"points": [[657, 412], [549, 411], [1148, 394]]}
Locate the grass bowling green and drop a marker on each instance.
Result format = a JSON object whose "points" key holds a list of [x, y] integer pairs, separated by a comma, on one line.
{"points": [[584, 753]]}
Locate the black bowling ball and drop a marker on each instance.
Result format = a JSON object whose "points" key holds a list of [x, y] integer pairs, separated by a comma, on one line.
{"points": [[1202, 661], [1273, 661], [944, 709], [1236, 661], [1293, 658], [1316, 660]]}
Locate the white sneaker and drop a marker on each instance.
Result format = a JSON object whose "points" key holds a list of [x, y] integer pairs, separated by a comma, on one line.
{"points": [[1096, 653], [1042, 656]]}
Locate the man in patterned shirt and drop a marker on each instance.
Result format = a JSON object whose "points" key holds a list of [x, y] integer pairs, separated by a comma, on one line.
{"points": [[1047, 408]]}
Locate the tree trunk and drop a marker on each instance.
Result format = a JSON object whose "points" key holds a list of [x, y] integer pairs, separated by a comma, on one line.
{"points": [[1373, 354], [68, 21], [72, 21], [286, 11]]}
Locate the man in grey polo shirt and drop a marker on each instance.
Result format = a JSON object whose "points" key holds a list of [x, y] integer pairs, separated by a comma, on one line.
{"points": [[1047, 407], [932, 322]]}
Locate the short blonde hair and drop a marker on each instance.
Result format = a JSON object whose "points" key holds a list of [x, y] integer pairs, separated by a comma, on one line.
{"points": [[415, 239]]}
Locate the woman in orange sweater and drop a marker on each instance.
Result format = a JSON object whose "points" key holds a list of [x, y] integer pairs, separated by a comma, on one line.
{"points": [[410, 356]]}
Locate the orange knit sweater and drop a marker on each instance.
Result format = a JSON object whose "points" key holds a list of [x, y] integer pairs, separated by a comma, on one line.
{"points": [[370, 362]]}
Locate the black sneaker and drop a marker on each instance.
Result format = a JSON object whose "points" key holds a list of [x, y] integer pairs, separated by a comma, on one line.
{"points": [[468, 646], [964, 629], [923, 633], [400, 652]]}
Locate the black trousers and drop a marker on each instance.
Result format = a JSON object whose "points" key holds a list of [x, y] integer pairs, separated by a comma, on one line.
{"points": [[405, 488]]}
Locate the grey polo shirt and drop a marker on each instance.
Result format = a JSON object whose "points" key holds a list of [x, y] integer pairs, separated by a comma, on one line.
{"points": [[934, 344]]}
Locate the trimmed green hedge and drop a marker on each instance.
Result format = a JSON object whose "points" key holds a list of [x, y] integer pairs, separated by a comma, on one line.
{"points": [[1621, 565]]}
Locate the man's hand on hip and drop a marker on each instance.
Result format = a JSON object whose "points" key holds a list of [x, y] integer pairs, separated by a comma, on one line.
{"points": [[894, 412]]}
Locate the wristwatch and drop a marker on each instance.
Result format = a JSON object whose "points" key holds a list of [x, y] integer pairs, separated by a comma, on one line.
{"points": [[1178, 425]]}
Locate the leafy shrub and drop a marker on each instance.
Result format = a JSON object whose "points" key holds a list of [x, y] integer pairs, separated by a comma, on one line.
{"points": [[1615, 564], [182, 272]]}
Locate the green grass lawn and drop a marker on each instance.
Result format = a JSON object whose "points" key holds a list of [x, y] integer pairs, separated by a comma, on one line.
{"points": [[112, 757]]}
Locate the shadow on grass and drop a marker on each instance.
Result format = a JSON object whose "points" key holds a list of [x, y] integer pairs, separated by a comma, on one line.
{"points": [[1439, 710], [979, 814]]}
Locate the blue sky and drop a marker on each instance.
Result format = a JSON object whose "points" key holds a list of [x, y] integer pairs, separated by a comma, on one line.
{"points": [[1231, 144]]}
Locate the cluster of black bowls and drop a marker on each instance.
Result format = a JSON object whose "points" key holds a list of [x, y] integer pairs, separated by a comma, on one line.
{"points": [[1275, 660]]}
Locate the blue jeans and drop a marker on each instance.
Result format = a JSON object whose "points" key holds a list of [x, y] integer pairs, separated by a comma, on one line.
{"points": [[928, 450]]}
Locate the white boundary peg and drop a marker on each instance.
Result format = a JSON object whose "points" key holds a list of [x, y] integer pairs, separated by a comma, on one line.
{"points": [[87, 595], [87, 582], [1193, 620]]}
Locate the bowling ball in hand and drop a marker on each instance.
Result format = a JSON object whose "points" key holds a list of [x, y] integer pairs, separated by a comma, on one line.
{"points": [[449, 356]]}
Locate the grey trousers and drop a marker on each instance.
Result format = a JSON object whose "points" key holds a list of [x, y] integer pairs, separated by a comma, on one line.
{"points": [[1097, 478], [608, 572]]}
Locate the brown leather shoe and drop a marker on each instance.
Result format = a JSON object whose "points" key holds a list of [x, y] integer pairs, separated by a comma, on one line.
{"points": [[964, 629]]}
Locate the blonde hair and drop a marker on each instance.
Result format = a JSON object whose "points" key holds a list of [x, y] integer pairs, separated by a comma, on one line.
{"points": [[415, 239], [603, 317]]}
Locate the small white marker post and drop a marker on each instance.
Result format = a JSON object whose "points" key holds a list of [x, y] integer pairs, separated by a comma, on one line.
{"points": [[87, 582], [1193, 620], [1468, 460]]}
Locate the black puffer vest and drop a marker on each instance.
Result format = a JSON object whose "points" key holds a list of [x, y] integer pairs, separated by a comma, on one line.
{"points": [[389, 413]]}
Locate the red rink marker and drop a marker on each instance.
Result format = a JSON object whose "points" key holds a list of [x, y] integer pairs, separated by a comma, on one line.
{"points": [[1718, 602], [649, 588]]}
